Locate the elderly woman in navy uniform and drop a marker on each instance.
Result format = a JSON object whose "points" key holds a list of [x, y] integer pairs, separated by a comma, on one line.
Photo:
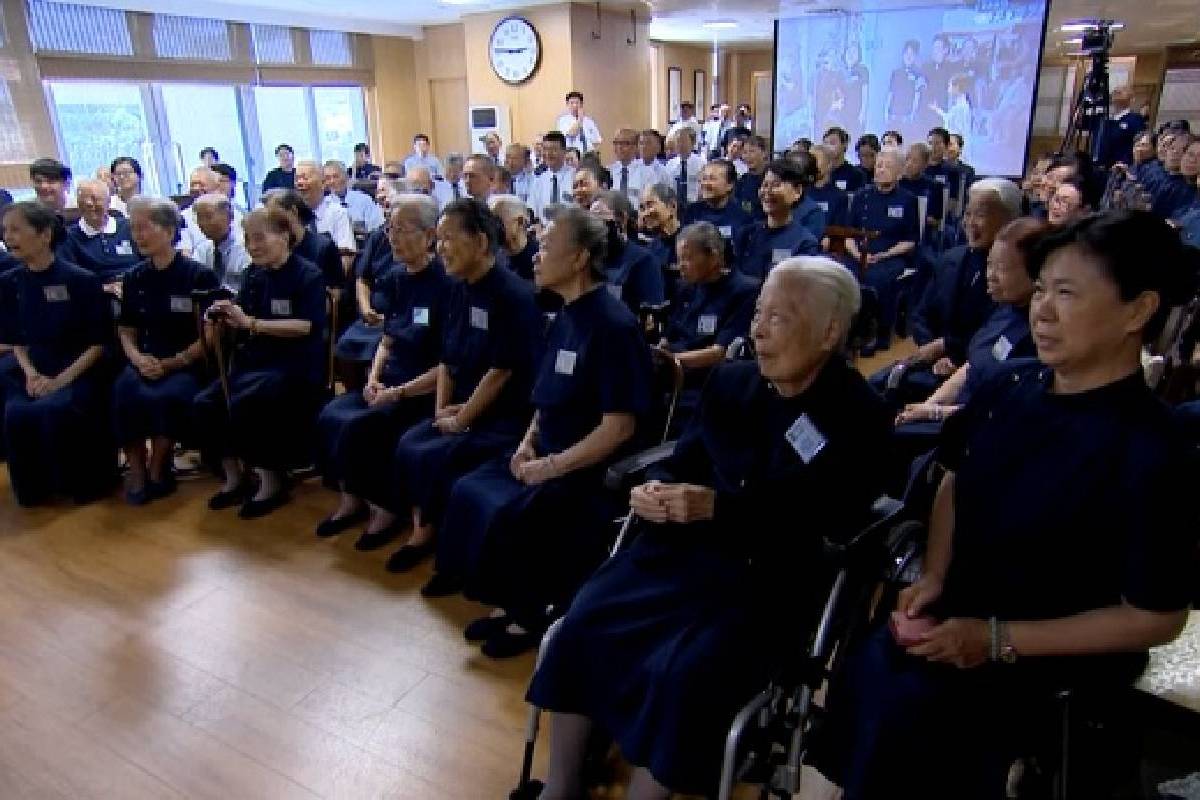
{"points": [[785, 232], [674, 634], [884, 207], [315, 248], [717, 204], [481, 406], [830, 198], [99, 242], [503, 533], [357, 345], [658, 219], [152, 397], [55, 317], [633, 276], [1070, 586], [277, 372], [357, 431]]}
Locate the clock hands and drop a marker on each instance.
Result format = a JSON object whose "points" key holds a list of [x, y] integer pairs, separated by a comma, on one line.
{"points": [[511, 50]]}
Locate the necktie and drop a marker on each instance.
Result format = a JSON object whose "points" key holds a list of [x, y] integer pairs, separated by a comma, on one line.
{"points": [[553, 187], [218, 262], [457, 191], [625, 178], [582, 138], [683, 189]]}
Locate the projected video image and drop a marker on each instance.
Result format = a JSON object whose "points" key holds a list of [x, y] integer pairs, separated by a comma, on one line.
{"points": [[969, 69]]}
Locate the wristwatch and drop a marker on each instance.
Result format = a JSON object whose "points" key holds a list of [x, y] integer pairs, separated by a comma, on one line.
{"points": [[1001, 647]]}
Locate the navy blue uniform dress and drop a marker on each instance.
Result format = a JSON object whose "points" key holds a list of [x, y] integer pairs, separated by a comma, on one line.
{"points": [[833, 201], [493, 323], [1062, 504], [109, 256], [729, 220], [59, 444], [946, 174], [276, 383], [634, 277], [318, 249], [376, 253], [666, 256], [745, 192], [157, 304], [521, 547], [356, 441], [654, 648], [1171, 194], [522, 262], [847, 177], [894, 215], [762, 247], [359, 341]]}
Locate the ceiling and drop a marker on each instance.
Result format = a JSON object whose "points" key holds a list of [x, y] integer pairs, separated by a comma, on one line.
{"points": [[1155, 24]]}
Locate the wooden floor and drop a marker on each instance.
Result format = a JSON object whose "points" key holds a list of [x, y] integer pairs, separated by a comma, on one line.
{"points": [[173, 652]]}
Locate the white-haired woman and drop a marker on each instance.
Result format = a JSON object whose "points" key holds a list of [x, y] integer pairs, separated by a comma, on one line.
{"points": [[654, 650]]}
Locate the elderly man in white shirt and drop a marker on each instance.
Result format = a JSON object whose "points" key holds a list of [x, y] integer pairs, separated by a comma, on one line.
{"points": [[359, 205], [553, 185], [422, 157], [687, 119], [220, 249], [332, 219], [629, 173], [579, 129], [516, 161], [714, 129], [203, 180], [684, 168]]}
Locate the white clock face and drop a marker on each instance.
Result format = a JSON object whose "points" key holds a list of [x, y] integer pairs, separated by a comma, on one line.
{"points": [[514, 50]]}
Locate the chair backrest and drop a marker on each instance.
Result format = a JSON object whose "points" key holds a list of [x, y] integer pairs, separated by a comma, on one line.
{"points": [[333, 297], [922, 212], [838, 234]]}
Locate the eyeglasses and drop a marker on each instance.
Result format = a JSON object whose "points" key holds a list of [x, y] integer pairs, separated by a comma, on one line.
{"points": [[624, 142]]}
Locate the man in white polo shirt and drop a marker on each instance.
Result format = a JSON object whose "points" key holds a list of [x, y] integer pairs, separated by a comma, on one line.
{"points": [[629, 173], [580, 129]]}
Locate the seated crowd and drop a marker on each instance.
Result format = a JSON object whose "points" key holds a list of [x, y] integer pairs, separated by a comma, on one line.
{"points": [[505, 327]]}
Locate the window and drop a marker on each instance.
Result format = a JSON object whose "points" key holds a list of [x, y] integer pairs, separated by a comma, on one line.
{"points": [[69, 28], [219, 127], [12, 139], [191, 37], [340, 121], [331, 48], [273, 44], [1180, 97], [99, 121], [283, 118]]}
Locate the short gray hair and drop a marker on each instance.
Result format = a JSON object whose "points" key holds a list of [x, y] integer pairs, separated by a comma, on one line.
{"points": [[921, 148], [665, 193], [338, 165], [95, 182], [159, 210], [893, 154], [455, 159], [426, 208], [215, 200], [705, 236], [1007, 194], [508, 206], [588, 233], [832, 290]]}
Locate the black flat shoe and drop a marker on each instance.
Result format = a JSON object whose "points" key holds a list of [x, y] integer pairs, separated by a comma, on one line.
{"points": [[485, 628], [441, 585], [373, 541], [408, 556], [332, 526], [506, 644], [253, 509], [157, 490], [228, 498]]}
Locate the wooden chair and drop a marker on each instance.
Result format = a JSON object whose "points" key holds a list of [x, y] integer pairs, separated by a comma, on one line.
{"points": [[837, 236]]}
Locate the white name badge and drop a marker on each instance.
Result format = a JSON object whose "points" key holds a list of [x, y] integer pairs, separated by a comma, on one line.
{"points": [[1001, 349], [564, 363], [181, 305], [124, 248], [615, 290], [823, 205], [479, 318], [281, 307], [896, 212], [56, 294], [840, 184], [780, 254], [420, 316], [805, 439], [940, 178], [707, 324], [726, 231]]}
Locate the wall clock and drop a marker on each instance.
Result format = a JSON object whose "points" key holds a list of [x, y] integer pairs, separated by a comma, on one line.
{"points": [[515, 50]]}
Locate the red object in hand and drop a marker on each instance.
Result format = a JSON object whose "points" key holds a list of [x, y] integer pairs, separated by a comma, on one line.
{"points": [[909, 631]]}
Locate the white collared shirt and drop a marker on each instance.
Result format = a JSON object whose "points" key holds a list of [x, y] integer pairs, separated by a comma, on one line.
{"points": [[674, 169], [693, 124], [233, 254], [430, 162], [334, 221], [191, 236], [587, 129], [640, 176], [541, 189], [362, 209], [522, 183]]}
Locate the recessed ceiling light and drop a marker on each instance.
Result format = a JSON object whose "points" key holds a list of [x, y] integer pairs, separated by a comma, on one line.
{"points": [[462, 2], [719, 24], [1076, 40]]}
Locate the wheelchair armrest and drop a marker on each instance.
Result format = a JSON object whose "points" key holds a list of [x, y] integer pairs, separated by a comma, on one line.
{"points": [[885, 512], [621, 474]]}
